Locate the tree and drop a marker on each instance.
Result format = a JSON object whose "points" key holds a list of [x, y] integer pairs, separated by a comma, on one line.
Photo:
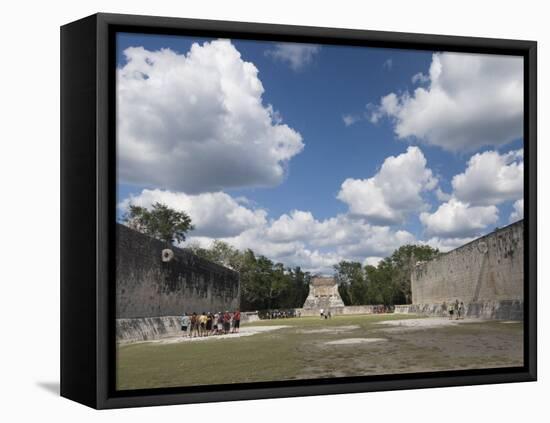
{"points": [[264, 284], [256, 280], [222, 253], [268, 285], [390, 282], [160, 222], [381, 288], [403, 261], [352, 283], [195, 248], [299, 282]]}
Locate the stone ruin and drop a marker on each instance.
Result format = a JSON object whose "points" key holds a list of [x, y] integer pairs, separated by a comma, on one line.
{"points": [[487, 274], [323, 294], [156, 284]]}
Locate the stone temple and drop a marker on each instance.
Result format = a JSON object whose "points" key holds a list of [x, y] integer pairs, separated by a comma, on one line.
{"points": [[323, 294]]}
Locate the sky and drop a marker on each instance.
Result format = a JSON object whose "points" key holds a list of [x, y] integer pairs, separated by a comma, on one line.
{"points": [[313, 154]]}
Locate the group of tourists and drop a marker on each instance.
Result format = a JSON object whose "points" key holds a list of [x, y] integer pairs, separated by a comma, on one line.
{"points": [[326, 314], [381, 309], [456, 309], [207, 324], [276, 314]]}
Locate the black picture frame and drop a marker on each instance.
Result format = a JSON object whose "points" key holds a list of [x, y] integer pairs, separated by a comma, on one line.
{"points": [[88, 203]]}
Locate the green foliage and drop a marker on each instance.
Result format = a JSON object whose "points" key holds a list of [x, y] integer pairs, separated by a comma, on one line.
{"points": [[264, 284], [352, 283], [402, 262], [221, 253], [160, 222], [268, 285], [388, 283]]}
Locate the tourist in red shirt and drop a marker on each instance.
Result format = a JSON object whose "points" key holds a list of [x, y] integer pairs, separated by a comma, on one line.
{"points": [[236, 321], [226, 322]]}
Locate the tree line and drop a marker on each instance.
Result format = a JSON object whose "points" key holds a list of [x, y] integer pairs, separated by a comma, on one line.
{"points": [[265, 285], [269, 285], [388, 283]]}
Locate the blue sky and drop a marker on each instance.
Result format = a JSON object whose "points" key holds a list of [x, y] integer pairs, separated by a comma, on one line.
{"points": [[346, 110]]}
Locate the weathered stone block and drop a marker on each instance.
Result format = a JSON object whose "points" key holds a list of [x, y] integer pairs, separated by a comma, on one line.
{"points": [[147, 285], [489, 268]]}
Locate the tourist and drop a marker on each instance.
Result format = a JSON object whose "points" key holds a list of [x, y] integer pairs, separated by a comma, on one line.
{"points": [[457, 310], [220, 323], [236, 321], [226, 322], [185, 324], [330, 314], [451, 311], [198, 324], [461, 310], [202, 324], [194, 325], [209, 324], [322, 313], [215, 323]]}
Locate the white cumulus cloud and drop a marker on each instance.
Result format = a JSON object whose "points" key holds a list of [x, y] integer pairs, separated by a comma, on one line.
{"points": [[469, 101], [455, 219], [420, 78], [295, 55], [490, 178], [447, 244], [441, 195], [299, 239], [372, 261], [196, 122], [350, 119], [213, 214], [517, 214], [349, 235], [296, 238], [298, 224], [393, 192]]}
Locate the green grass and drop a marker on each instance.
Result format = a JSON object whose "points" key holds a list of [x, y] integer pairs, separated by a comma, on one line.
{"points": [[299, 351], [364, 320]]}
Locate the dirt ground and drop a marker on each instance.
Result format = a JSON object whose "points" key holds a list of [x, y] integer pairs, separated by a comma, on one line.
{"points": [[305, 348]]}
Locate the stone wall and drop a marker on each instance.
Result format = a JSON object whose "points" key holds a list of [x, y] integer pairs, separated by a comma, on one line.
{"points": [[491, 310], [343, 310], [147, 328], [148, 287], [249, 316], [486, 274], [151, 328]]}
